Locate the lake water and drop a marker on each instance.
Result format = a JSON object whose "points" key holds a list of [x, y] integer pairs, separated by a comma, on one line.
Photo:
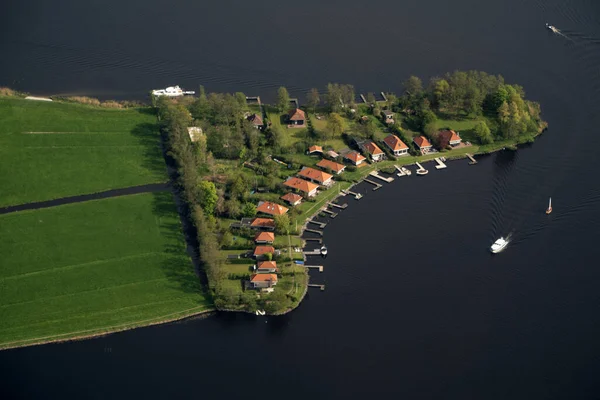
{"points": [[415, 305]]}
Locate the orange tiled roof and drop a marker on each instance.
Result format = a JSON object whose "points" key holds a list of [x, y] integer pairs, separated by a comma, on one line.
{"points": [[263, 222], [314, 149], [296, 115], [255, 119], [291, 197], [355, 157], [300, 184], [327, 164], [421, 141], [372, 148], [264, 278], [271, 208], [267, 265], [265, 237], [395, 143], [314, 174], [260, 250], [450, 135]]}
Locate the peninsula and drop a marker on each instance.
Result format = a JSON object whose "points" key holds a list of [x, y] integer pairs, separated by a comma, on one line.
{"points": [[243, 180]]}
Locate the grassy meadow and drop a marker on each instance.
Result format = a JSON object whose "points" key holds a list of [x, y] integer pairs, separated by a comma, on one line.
{"points": [[94, 267], [52, 150]]}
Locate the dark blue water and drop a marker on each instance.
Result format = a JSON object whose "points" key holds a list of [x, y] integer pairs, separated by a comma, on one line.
{"points": [[415, 306]]}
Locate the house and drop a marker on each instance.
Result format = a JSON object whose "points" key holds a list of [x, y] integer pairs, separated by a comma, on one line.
{"points": [[320, 177], [449, 137], [397, 146], [195, 133], [266, 207], [292, 199], [264, 237], [261, 251], [373, 150], [256, 121], [267, 224], [332, 154], [263, 281], [296, 117], [388, 116], [267, 267], [307, 188], [315, 149], [355, 157], [422, 143], [331, 166]]}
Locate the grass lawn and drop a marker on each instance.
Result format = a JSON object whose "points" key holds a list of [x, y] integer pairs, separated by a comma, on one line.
{"points": [[463, 126], [85, 150], [94, 267]]}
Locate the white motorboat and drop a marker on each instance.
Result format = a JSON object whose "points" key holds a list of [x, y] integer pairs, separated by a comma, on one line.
{"points": [[499, 245], [323, 250], [171, 91], [405, 170], [422, 171], [552, 28], [549, 209]]}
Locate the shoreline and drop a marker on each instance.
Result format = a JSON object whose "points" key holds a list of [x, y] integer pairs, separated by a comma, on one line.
{"points": [[96, 334]]}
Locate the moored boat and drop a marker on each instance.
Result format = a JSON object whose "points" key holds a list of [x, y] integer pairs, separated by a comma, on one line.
{"points": [[171, 91], [549, 209], [323, 250]]}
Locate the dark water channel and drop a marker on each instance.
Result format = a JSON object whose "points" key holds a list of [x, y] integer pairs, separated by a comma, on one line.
{"points": [[415, 306]]}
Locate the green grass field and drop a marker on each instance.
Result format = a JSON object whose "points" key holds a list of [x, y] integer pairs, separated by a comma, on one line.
{"points": [[77, 149], [93, 267]]}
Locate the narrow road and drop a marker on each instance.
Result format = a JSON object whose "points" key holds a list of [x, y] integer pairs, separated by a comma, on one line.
{"points": [[150, 188]]}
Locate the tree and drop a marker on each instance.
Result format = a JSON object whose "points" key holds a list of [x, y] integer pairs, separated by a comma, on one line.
{"points": [[275, 137], [440, 93], [334, 97], [249, 210], [335, 125], [430, 129], [239, 187], [233, 208], [241, 99], [282, 223], [413, 87], [482, 131], [313, 99], [427, 117], [268, 256], [226, 240], [283, 99], [371, 98], [391, 100], [207, 196]]}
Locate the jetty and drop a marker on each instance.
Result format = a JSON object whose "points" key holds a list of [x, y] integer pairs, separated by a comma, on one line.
{"points": [[319, 267], [473, 160], [440, 163], [322, 287], [315, 252], [314, 240], [362, 97], [321, 224], [357, 196], [384, 96], [314, 231], [421, 170], [329, 212], [341, 207], [377, 185], [375, 174]]}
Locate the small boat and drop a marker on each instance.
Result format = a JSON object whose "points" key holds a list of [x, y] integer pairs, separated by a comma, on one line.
{"points": [[405, 170], [549, 209], [552, 28], [323, 250], [422, 172], [499, 245], [259, 312]]}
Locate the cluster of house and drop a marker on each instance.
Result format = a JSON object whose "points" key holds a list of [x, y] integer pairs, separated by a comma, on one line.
{"points": [[265, 271], [296, 118]]}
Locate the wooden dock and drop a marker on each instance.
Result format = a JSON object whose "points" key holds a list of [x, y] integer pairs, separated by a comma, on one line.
{"points": [[313, 240], [357, 196], [341, 207], [363, 98], [329, 212], [421, 169], [322, 287], [316, 252], [377, 185], [375, 174], [319, 267], [473, 160], [384, 96], [314, 231], [321, 224], [440, 163]]}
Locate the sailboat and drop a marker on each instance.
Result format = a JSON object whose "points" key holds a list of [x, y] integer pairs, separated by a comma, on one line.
{"points": [[549, 209]]}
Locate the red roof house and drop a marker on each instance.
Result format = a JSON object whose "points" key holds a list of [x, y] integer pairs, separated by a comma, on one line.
{"points": [[373, 150], [422, 143], [260, 281], [308, 188], [355, 157], [266, 207], [297, 117], [331, 166], [448, 137], [322, 178], [292, 198], [264, 237], [397, 146]]}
